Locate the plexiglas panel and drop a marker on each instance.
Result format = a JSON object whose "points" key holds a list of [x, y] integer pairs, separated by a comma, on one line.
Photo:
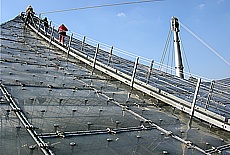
{"points": [[77, 111]]}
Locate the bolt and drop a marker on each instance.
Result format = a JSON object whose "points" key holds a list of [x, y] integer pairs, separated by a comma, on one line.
{"points": [[160, 121], [86, 101], [31, 147], [117, 123], [89, 124], [23, 88], [123, 111], [141, 122], [108, 140], [60, 101], [100, 111], [55, 127], [72, 144], [162, 134], [73, 110], [18, 128], [142, 111], [43, 111]]}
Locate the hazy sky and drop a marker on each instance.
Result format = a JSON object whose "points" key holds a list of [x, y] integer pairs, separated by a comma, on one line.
{"points": [[142, 29]]}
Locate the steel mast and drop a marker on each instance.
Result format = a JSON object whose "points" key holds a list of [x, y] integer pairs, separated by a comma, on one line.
{"points": [[178, 59]]}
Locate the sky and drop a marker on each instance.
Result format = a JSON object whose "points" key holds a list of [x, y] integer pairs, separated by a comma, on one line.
{"points": [[142, 29]]}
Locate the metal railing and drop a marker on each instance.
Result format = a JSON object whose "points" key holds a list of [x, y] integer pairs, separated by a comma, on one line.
{"points": [[211, 101]]}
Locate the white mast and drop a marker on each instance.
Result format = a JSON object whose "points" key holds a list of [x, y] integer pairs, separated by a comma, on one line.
{"points": [[178, 59]]}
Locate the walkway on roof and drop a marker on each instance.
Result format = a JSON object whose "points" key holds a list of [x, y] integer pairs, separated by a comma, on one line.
{"points": [[75, 108], [212, 100]]}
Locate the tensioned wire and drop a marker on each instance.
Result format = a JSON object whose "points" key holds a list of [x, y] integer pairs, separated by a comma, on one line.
{"points": [[99, 6], [208, 46], [131, 55], [146, 60], [95, 42]]}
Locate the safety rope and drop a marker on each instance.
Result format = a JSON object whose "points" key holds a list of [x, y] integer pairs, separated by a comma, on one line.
{"points": [[100, 6]]}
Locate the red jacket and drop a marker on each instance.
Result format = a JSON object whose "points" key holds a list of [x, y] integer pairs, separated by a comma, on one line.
{"points": [[62, 28]]}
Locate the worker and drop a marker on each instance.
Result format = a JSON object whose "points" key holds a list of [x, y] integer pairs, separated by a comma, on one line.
{"points": [[46, 25], [29, 13], [62, 33]]}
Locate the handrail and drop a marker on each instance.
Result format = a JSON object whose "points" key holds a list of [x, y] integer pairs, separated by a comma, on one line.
{"points": [[89, 56]]}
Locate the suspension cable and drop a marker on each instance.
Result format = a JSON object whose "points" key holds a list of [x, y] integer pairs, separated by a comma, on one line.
{"points": [[100, 6], [165, 48], [184, 53], [203, 42], [172, 61], [169, 49]]}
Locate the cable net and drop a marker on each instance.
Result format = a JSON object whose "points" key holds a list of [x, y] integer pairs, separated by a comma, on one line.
{"points": [[77, 111]]}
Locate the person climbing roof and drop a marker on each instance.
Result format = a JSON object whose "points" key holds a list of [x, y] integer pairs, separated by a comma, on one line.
{"points": [[29, 9], [62, 33], [29, 13]]}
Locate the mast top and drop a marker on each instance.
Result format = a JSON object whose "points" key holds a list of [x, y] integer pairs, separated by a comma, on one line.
{"points": [[175, 24]]}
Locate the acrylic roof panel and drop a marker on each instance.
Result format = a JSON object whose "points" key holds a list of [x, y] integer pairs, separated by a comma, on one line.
{"points": [[77, 112]]}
